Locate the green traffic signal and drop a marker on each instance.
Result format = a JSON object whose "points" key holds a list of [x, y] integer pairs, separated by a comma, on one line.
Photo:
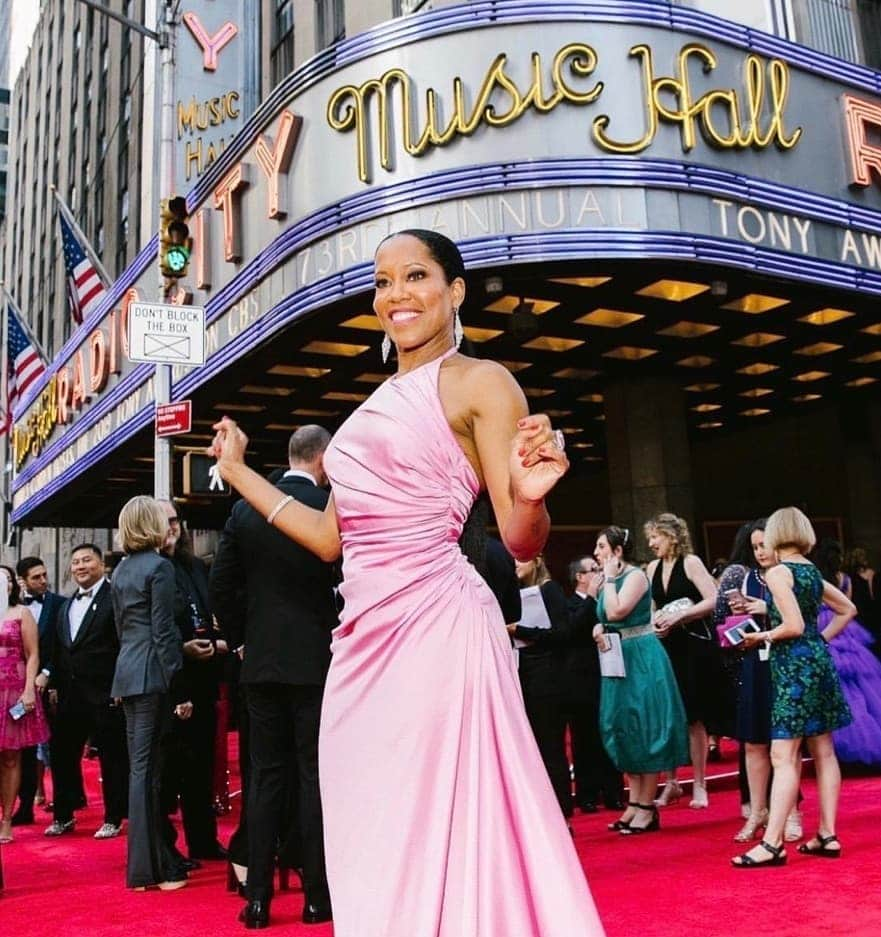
{"points": [[175, 244]]}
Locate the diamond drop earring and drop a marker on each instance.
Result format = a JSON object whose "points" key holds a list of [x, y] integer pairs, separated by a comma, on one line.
{"points": [[386, 348], [458, 331]]}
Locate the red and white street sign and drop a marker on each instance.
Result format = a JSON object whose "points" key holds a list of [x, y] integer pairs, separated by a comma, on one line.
{"points": [[174, 418]]}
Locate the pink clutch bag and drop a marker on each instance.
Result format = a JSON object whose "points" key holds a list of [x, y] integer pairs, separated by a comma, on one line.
{"points": [[730, 632]]}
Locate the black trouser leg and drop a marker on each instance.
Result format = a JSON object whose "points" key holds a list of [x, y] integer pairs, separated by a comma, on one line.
{"points": [[27, 789], [196, 779], [72, 724], [108, 733], [546, 718], [238, 842]]}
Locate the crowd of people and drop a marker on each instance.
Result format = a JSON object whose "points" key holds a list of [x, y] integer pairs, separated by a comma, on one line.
{"points": [[404, 719]]}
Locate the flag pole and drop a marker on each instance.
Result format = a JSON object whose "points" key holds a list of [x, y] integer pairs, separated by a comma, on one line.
{"points": [[78, 231], [23, 322]]}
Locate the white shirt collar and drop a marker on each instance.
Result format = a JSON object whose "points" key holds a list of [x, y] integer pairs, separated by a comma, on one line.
{"points": [[299, 473]]}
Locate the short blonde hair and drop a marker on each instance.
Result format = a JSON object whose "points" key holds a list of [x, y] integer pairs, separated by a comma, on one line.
{"points": [[789, 527], [675, 528], [539, 574], [142, 525]]}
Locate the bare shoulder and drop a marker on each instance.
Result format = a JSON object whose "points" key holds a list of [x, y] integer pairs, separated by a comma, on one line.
{"points": [[694, 564], [483, 373], [779, 575], [476, 387], [650, 569]]}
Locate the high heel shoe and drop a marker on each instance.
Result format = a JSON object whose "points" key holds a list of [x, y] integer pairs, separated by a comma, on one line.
{"points": [[651, 827], [669, 795], [233, 882], [699, 799], [752, 828], [793, 830], [621, 824]]}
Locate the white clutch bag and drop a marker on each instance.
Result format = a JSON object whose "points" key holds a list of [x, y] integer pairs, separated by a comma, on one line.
{"points": [[612, 657]]}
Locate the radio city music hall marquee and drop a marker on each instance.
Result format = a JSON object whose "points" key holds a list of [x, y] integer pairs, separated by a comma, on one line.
{"points": [[382, 111]]}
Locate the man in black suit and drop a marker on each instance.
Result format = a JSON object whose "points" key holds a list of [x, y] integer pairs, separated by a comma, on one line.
{"points": [[43, 605], [284, 639], [80, 666], [595, 775]]}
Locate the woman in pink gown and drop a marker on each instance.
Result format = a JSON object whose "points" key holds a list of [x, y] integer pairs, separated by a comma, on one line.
{"points": [[439, 817]]}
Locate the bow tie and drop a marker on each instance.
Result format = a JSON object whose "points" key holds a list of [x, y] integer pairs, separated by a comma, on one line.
{"points": [[29, 599], [84, 594]]}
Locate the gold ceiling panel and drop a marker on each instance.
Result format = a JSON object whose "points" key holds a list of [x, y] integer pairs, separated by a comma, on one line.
{"points": [[339, 349], [557, 414], [696, 361], [240, 407], [295, 370], [759, 367], [609, 318], [266, 391], [805, 398], [591, 398], [481, 335], [706, 407], [861, 381], [284, 427], [818, 348], [826, 316], [576, 374], [306, 411], [807, 376], [702, 388], [582, 445], [630, 353], [589, 282], [553, 343], [756, 303], [365, 321], [515, 366], [711, 424], [675, 291], [537, 391], [757, 392], [686, 329], [872, 329], [345, 395], [758, 339], [508, 304], [755, 411], [870, 358], [369, 378]]}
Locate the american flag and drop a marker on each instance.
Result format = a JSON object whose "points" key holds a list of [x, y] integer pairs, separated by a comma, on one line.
{"points": [[85, 288], [24, 365]]}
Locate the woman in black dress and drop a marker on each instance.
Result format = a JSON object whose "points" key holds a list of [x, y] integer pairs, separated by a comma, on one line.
{"points": [[678, 574]]}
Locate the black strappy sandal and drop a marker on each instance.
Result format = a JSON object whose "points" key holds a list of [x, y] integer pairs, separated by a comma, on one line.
{"points": [[823, 850], [619, 825], [746, 861], [652, 827]]}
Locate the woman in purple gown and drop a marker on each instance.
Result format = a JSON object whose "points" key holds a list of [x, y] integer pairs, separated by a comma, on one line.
{"points": [[440, 820]]}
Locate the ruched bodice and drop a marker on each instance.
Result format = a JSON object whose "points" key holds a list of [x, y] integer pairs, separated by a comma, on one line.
{"points": [[439, 818]]}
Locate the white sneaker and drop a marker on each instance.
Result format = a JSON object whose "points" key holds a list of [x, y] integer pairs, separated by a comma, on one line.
{"points": [[108, 831], [59, 827]]}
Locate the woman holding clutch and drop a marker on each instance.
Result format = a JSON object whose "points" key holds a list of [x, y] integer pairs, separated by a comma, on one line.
{"points": [[642, 719]]}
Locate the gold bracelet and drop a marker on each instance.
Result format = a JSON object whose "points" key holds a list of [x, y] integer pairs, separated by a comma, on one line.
{"points": [[285, 501]]}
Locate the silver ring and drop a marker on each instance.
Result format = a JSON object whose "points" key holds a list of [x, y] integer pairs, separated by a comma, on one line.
{"points": [[560, 440]]}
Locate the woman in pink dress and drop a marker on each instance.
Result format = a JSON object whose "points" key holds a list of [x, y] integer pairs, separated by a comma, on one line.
{"points": [[25, 725], [439, 817]]}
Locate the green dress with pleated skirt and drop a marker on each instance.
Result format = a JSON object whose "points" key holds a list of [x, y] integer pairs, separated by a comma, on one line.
{"points": [[642, 719]]}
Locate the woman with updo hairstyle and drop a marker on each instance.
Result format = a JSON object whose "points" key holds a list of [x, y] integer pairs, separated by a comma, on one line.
{"points": [[540, 665], [679, 576], [642, 719]]}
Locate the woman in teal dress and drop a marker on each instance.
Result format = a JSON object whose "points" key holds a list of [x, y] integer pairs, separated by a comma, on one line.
{"points": [[642, 718], [806, 698]]}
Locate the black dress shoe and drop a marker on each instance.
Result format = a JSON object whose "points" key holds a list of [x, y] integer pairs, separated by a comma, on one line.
{"points": [[317, 913], [613, 804], [21, 819], [189, 865], [588, 806], [255, 915]]}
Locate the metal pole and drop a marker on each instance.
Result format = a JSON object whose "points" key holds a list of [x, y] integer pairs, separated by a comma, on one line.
{"points": [[162, 373]]}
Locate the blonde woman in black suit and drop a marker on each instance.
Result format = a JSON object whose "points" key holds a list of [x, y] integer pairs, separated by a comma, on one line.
{"points": [[149, 657]]}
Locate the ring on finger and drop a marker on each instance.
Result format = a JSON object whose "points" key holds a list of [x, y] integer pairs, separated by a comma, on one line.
{"points": [[560, 440]]}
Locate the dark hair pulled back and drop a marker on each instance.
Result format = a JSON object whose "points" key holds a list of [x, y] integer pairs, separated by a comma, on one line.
{"points": [[441, 248]]}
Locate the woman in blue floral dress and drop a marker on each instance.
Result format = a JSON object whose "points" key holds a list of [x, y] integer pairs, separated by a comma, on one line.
{"points": [[806, 698]]}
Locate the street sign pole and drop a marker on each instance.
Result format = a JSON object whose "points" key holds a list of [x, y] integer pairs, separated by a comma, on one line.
{"points": [[162, 373]]}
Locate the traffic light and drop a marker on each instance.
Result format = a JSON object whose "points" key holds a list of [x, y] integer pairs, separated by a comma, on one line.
{"points": [[175, 243]]}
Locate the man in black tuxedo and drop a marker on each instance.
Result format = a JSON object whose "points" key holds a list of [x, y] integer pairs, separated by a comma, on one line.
{"points": [[43, 605], [284, 640], [595, 775], [80, 666]]}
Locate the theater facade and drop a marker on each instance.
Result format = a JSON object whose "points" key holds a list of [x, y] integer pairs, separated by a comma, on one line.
{"points": [[672, 226]]}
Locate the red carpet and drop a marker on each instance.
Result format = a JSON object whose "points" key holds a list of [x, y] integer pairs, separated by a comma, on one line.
{"points": [[676, 883]]}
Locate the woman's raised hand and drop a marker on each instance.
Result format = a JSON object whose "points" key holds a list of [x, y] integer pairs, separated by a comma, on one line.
{"points": [[537, 461], [229, 443]]}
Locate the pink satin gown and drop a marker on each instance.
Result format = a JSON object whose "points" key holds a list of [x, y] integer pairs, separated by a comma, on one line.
{"points": [[439, 817]]}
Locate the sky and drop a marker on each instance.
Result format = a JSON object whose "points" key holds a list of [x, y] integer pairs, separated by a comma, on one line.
{"points": [[25, 14]]}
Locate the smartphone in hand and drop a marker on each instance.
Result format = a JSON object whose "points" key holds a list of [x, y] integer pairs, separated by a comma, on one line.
{"points": [[17, 711]]}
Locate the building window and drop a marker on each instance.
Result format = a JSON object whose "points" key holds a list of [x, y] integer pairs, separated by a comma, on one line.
{"points": [[869, 16], [828, 26], [282, 55], [330, 22]]}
